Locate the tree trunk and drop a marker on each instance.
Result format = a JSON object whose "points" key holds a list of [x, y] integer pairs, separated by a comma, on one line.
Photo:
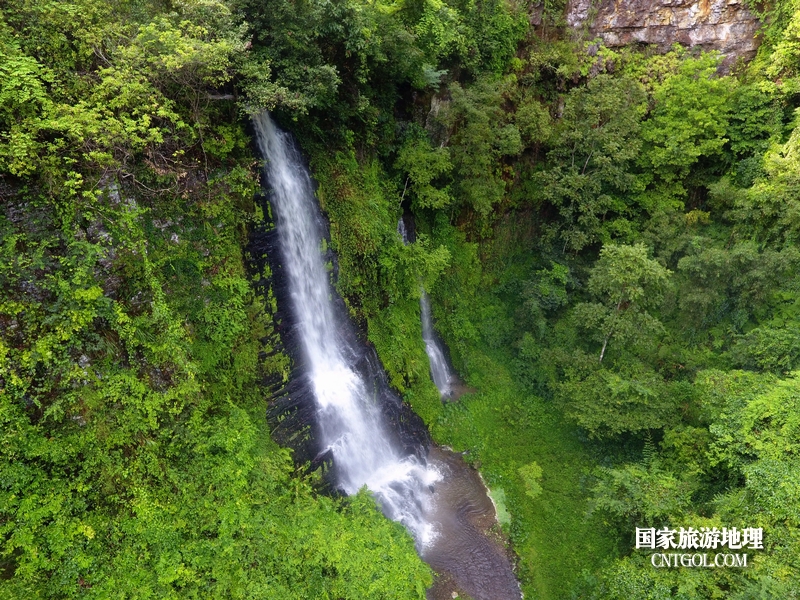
{"points": [[611, 331]]}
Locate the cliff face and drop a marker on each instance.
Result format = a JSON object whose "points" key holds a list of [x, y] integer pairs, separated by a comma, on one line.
{"points": [[723, 25]]}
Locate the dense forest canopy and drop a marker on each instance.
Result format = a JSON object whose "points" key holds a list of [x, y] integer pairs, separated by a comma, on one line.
{"points": [[609, 236]]}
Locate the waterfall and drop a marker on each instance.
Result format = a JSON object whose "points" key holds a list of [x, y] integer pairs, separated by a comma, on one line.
{"points": [[360, 422], [351, 421], [440, 370]]}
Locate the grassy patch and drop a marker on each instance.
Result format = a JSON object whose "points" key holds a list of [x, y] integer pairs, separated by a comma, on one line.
{"points": [[504, 428]]}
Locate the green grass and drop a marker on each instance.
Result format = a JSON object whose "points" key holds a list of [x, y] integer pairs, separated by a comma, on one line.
{"points": [[503, 427]]}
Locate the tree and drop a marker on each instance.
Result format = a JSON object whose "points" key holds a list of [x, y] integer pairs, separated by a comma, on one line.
{"points": [[687, 124], [643, 494], [590, 179], [606, 403], [482, 137], [425, 165], [627, 283]]}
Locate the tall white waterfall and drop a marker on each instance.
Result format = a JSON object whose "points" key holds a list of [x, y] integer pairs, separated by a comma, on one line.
{"points": [[440, 370], [351, 422]]}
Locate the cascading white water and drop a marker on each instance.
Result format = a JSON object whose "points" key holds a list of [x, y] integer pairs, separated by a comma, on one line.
{"points": [[352, 425], [440, 370]]}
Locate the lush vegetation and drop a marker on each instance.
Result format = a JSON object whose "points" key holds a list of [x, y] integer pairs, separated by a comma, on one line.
{"points": [[609, 237], [136, 460]]}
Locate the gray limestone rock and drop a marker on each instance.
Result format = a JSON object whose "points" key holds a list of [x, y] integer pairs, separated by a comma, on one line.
{"points": [[723, 25]]}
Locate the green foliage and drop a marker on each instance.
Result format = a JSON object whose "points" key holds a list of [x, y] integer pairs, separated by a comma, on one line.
{"points": [[140, 464], [545, 293], [548, 291], [347, 61], [688, 124], [496, 27], [440, 29], [628, 578], [531, 477], [777, 15], [769, 207], [627, 283], [424, 166], [740, 277], [22, 98], [768, 349], [553, 12], [481, 136], [475, 36], [641, 495], [784, 57], [755, 120], [533, 121], [593, 151], [743, 408], [135, 456], [606, 403]]}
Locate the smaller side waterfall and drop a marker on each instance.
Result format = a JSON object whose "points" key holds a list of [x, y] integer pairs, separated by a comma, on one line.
{"points": [[440, 371]]}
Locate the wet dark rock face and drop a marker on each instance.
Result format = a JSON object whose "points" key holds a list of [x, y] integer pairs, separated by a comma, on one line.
{"points": [[292, 412], [723, 25]]}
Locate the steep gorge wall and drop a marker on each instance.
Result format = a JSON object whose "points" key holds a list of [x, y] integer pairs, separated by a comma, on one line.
{"points": [[723, 25]]}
